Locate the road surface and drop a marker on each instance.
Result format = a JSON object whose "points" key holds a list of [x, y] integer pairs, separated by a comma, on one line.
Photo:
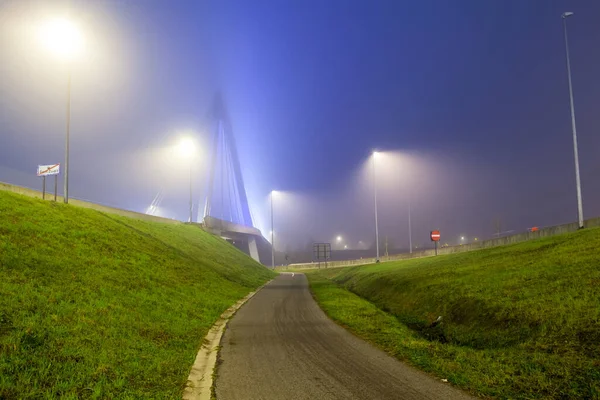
{"points": [[281, 346]]}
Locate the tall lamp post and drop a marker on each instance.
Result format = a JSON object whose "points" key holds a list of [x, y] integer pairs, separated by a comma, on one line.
{"points": [[575, 151], [63, 38], [375, 198], [186, 148], [409, 229], [272, 233]]}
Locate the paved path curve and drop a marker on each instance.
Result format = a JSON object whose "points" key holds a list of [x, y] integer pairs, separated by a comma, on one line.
{"points": [[280, 345]]}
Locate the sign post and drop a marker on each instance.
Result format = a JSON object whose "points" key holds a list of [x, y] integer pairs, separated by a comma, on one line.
{"points": [[435, 238], [322, 251], [44, 171]]}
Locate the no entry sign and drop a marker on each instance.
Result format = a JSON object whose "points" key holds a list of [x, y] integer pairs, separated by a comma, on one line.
{"points": [[435, 236]]}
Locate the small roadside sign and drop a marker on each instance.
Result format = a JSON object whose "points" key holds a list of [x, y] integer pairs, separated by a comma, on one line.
{"points": [[48, 170], [322, 251], [45, 170], [435, 238]]}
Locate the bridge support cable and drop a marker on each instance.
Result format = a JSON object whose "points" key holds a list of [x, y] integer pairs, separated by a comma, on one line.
{"points": [[153, 208]]}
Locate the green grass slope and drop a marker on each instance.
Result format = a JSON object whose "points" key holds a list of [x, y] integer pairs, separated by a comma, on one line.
{"points": [[100, 306], [520, 321]]}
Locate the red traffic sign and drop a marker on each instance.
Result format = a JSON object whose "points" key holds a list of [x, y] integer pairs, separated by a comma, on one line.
{"points": [[435, 236]]}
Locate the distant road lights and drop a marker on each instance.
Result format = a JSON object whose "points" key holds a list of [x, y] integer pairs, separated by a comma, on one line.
{"points": [[345, 247], [62, 37], [339, 238], [186, 148]]}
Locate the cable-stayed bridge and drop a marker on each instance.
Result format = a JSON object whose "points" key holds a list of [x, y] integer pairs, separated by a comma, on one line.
{"points": [[226, 212]]}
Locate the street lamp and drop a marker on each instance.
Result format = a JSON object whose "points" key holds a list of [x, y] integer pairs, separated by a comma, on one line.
{"points": [[409, 229], [186, 148], [63, 38], [577, 179], [375, 154], [272, 230], [339, 238]]}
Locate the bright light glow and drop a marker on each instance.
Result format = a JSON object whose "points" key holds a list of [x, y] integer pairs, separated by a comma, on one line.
{"points": [[375, 153], [62, 37], [155, 210], [345, 246], [339, 238], [186, 146], [462, 238]]}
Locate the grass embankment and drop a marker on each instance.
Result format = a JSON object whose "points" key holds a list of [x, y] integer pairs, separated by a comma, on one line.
{"points": [[100, 306], [520, 321]]}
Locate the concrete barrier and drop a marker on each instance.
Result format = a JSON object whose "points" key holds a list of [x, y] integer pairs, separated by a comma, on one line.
{"points": [[516, 238], [86, 204]]}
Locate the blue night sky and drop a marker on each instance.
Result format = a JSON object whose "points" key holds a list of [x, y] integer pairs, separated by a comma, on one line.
{"points": [[475, 90]]}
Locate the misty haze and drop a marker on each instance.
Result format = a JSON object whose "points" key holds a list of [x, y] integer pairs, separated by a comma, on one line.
{"points": [[405, 185]]}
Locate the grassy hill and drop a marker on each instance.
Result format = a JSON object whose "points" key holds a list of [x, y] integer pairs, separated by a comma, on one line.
{"points": [[94, 305], [520, 321]]}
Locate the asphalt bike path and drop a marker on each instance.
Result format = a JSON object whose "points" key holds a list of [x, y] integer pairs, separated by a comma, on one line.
{"points": [[280, 345]]}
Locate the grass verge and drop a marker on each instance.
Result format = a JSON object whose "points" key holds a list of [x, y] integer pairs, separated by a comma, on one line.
{"points": [[100, 306], [520, 321]]}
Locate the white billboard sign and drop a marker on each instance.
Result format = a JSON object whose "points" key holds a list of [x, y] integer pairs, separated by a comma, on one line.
{"points": [[44, 170]]}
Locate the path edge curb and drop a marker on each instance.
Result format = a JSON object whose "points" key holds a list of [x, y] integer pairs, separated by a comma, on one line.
{"points": [[200, 380]]}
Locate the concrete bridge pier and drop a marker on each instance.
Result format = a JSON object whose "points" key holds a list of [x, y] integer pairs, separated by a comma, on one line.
{"points": [[253, 249]]}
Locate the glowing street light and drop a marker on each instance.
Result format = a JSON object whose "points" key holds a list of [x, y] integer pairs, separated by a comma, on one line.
{"points": [[63, 38], [339, 239], [186, 147], [375, 154]]}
